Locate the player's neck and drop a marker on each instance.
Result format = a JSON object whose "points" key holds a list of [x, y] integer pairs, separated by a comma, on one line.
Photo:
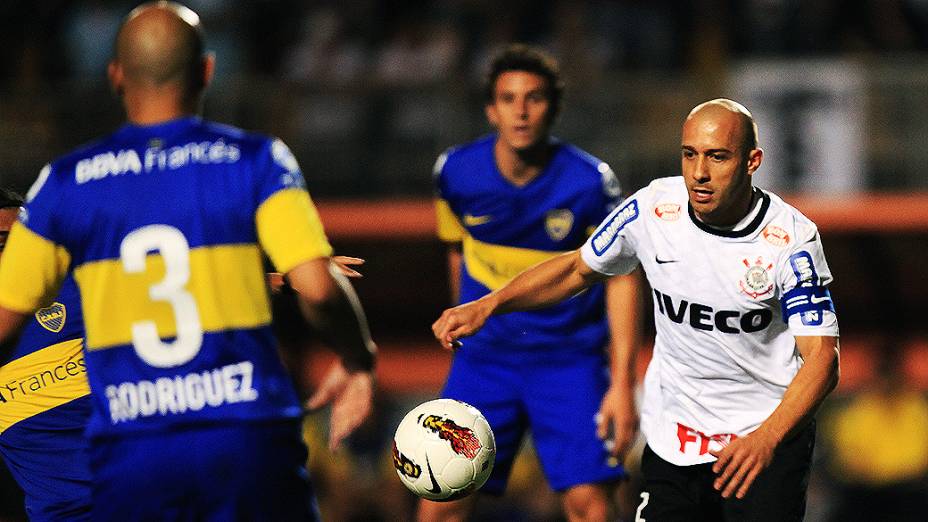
{"points": [[147, 109], [520, 167]]}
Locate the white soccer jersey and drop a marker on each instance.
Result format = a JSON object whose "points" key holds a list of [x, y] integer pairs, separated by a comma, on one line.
{"points": [[723, 355]]}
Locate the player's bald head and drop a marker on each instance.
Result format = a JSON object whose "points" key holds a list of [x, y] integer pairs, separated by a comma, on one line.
{"points": [[161, 42], [727, 112]]}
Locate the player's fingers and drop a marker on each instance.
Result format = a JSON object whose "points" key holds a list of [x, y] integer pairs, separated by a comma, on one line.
{"points": [[743, 490], [348, 260], [725, 468], [320, 398], [735, 482], [602, 425], [275, 281], [722, 457], [347, 272]]}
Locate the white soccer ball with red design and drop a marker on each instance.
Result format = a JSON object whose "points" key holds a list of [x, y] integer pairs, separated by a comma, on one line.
{"points": [[443, 450]]}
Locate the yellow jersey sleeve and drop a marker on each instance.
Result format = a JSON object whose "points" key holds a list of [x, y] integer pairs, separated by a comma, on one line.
{"points": [[449, 227], [31, 270], [289, 229]]}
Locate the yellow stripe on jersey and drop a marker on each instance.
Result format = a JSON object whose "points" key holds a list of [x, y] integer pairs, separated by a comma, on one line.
{"points": [[31, 271], [449, 228], [227, 283], [289, 229], [495, 265], [42, 380]]}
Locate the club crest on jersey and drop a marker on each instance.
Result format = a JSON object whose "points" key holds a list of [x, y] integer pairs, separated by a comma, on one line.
{"points": [[776, 236], [667, 211], [756, 281], [558, 223], [52, 317]]}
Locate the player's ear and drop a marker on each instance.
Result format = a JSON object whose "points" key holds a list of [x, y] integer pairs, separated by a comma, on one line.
{"points": [[209, 67], [492, 114], [115, 74], [755, 157]]}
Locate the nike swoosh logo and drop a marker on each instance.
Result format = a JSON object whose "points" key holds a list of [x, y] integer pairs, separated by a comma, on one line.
{"points": [[662, 261], [817, 300], [435, 489], [472, 221]]}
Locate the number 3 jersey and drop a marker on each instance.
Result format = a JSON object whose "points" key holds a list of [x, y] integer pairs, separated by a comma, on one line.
{"points": [[727, 305], [163, 227]]}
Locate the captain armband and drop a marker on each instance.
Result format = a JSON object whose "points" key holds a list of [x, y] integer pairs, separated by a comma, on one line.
{"points": [[810, 301]]}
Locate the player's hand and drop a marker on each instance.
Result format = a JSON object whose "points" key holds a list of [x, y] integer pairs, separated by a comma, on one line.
{"points": [[617, 421], [741, 461], [460, 321], [276, 280], [344, 264], [351, 396]]}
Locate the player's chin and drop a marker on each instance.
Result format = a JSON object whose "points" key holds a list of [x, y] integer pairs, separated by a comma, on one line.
{"points": [[703, 206], [522, 142]]}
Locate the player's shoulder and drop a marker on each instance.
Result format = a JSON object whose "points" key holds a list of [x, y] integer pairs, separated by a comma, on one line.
{"points": [[464, 156], [246, 139], [662, 191], [788, 219], [586, 167]]}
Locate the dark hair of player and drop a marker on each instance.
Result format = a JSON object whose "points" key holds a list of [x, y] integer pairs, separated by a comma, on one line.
{"points": [[521, 57], [10, 199]]}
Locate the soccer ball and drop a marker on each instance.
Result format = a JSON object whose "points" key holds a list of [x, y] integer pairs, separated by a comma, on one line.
{"points": [[443, 450]]}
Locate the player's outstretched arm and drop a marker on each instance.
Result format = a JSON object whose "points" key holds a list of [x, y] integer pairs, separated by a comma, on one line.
{"points": [[740, 462], [543, 285], [334, 308]]}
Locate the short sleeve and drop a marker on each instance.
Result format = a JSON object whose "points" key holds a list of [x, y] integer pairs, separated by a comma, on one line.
{"points": [[449, 227], [803, 277], [288, 224], [610, 196], [34, 261], [610, 249]]}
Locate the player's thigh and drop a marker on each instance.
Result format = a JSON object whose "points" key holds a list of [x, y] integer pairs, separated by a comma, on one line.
{"points": [[778, 494], [252, 471], [454, 511], [676, 493], [562, 401], [493, 388], [263, 476]]}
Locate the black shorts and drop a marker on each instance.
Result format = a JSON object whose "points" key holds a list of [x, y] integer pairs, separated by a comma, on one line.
{"points": [[685, 493]]}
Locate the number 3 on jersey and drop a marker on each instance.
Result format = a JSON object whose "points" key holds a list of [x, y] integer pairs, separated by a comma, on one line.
{"points": [[174, 249]]}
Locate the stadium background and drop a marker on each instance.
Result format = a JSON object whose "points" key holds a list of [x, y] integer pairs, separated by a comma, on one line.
{"points": [[367, 94]]}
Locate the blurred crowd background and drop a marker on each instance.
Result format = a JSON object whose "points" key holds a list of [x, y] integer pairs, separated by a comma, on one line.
{"points": [[367, 93]]}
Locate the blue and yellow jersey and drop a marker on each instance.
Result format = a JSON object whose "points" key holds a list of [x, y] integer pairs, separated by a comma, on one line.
{"points": [[44, 407], [163, 227], [505, 229]]}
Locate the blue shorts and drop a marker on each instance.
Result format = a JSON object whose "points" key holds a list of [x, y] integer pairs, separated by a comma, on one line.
{"points": [[251, 471], [556, 398]]}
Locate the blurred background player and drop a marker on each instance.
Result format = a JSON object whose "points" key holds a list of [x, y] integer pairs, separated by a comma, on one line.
{"points": [[506, 202], [746, 345], [163, 224], [45, 403]]}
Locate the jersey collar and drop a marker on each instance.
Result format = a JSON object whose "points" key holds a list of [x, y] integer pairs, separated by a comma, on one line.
{"points": [[746, 231]]}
